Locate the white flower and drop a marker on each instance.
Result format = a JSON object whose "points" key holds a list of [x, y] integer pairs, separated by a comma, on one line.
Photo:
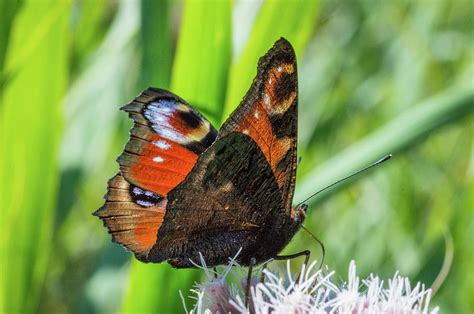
{"points": [[314, 292]]}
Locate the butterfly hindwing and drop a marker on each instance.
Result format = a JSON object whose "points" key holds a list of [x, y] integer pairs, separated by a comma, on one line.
{"points": [[132, 216], [268, 114]]}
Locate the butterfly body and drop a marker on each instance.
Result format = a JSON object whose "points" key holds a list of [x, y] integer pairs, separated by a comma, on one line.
{"points": [[185, 189]]}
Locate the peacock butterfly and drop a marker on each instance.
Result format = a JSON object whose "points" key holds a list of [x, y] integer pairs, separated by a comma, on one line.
{"points": [[184, 188]]}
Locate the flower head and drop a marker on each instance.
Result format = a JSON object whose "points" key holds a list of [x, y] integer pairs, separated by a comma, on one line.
{"points": [[313, 292]]}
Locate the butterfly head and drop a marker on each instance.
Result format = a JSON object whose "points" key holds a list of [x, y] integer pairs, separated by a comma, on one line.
{"points": [[298, 214]]}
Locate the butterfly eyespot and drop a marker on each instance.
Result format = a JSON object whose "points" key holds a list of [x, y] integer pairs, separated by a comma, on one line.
{"points": [[192, 121]]}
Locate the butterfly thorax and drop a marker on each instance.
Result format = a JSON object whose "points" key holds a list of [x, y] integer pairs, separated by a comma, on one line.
{"points": [[272, 239]]}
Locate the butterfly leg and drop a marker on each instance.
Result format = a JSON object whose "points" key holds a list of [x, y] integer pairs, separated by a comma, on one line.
{"points": [[249, 279], [306, 253]]}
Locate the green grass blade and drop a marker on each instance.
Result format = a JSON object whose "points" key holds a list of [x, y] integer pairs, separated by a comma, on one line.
{"points": [[94, 135], [90, 23], [92, 102], [399, 134], [155, 39], [8, 10], [200, 79], [294, 20], [30, 122], [203, 56]]}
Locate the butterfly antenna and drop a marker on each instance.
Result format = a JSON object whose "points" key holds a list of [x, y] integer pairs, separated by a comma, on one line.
{"points": [[381, 160], [323, 249]]}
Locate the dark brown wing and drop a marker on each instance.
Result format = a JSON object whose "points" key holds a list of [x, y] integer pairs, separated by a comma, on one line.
{"points": [[230, 197], [268, 114], [165, 142]]}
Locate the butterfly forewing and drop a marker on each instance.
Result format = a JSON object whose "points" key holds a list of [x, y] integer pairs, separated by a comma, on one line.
{"points": [[268, 114], [165, 142]]}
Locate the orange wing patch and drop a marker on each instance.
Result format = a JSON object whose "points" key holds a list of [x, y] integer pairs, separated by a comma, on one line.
{"points": [[130, 224], [258, 127], [156, 164], [257, 123], [165, 142]]}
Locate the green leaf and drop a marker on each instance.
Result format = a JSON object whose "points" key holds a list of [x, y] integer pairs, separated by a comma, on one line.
{"points": [[31, 123], [294, 20], [397, 135], [8, 9], [203, 55], [89, 25], [155, 39], [198, 77]]}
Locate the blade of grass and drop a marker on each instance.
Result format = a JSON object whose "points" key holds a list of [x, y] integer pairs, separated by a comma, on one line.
{"points": [[8, 9], [93, 137], [155, 39], [90, 24], [397, 135], [93, 99], [35, 39], [203, 56], [294, 20], [30, 121], [198, 75]]}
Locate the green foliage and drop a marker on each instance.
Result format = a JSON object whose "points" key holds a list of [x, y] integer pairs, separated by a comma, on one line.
{"points": [[417, 122], [155, 40], [8, 10], [375, 78], [31, 123], [297, 26]]}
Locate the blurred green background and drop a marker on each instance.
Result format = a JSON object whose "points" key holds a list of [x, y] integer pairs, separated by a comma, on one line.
{"points": [[375, 77]]}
